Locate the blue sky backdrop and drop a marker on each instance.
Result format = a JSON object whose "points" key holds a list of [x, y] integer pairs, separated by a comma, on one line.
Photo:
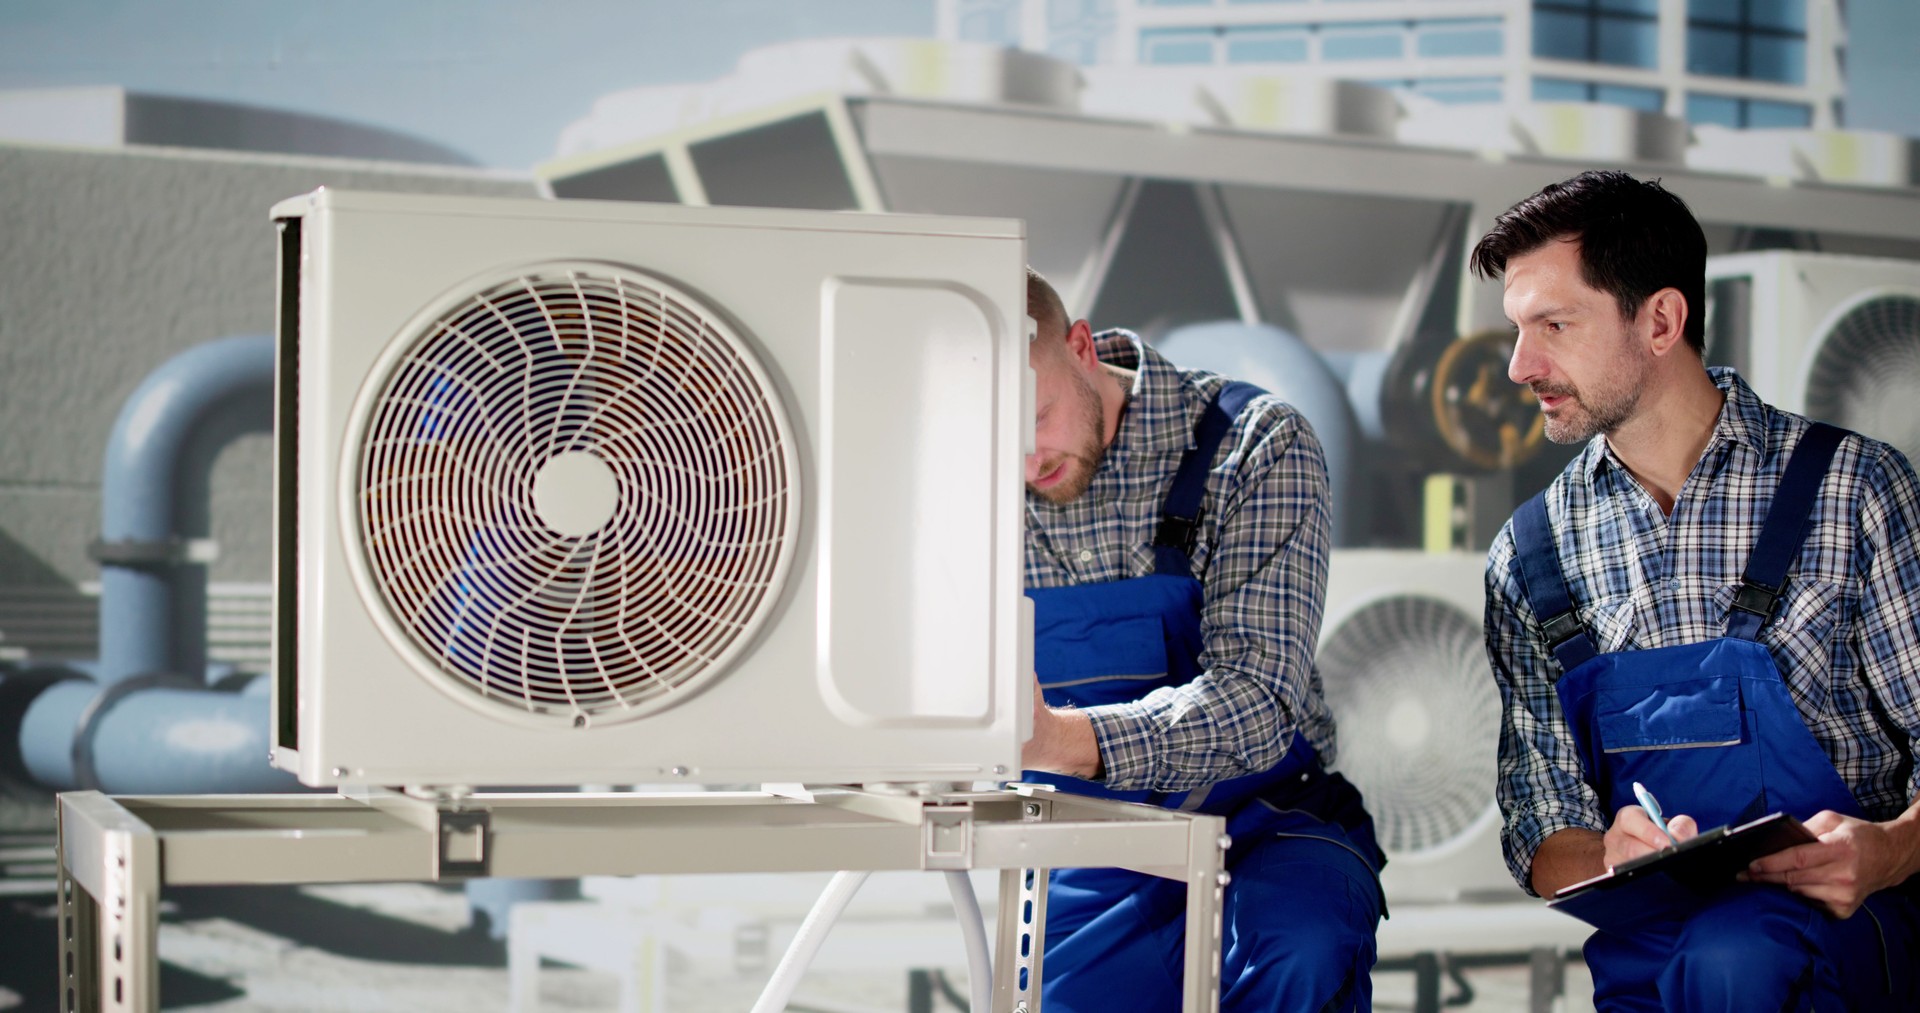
{"points": [[497, 79]]}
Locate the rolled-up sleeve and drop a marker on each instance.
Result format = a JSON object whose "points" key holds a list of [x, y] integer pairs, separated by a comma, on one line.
{"points": [[1540, 787], [1265, 576]]}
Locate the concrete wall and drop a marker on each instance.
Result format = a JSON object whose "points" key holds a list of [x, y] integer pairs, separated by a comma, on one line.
{"points": [[112, 261]]}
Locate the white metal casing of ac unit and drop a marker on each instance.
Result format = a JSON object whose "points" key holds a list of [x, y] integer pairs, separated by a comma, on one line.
{"points": [[893, 642], [1416, 735], [1796, 299]]}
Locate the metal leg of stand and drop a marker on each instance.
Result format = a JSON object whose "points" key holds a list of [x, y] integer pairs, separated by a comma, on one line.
{"points": [[109, 882], [1023, 918], [1426, 982], [79, 968], [1547, 979], [1206, 895]]}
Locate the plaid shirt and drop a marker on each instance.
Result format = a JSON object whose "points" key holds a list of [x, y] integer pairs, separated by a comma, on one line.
{"points": [[1846, 636], [1261, 557]]}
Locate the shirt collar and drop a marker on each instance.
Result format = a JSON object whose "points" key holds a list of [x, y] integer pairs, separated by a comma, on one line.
{"points": [[1742, 423], [1158, 418]]}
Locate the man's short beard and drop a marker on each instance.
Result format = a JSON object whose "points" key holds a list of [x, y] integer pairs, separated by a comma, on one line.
{"points": [[1075, 482], [1598, 416]]}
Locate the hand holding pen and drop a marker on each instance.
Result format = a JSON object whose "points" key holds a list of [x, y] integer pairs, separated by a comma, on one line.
{"points": [[1643, 829], [1652, 806]]}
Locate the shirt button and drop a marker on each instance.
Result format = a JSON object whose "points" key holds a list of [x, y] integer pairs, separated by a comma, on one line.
{"points": [[1674, 584], [1086, 555]]}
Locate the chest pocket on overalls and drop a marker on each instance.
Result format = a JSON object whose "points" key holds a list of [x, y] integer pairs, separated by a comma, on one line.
{"points": [[1133, 661], [1678, 715]]}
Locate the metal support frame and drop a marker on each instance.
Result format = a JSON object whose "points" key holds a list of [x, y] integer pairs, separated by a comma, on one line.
{"points": [[116, 853]]}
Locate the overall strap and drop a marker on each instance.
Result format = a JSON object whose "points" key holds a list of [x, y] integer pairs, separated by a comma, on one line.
{"points": [[1546, 586], [1181, 513], [1783, 532]]}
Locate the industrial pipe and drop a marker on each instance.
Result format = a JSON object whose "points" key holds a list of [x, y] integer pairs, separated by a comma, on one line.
{"points": [[155, 494], [143, 720], [1287, 367]]}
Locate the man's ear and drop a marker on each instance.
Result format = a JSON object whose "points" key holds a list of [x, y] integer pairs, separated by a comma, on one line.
{"points": [[1080, 345], [1665, 313]]}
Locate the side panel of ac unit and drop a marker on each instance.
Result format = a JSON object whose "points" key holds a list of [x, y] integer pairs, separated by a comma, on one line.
{"points": [[1404, 667], [896, 644], [1791, 322]]}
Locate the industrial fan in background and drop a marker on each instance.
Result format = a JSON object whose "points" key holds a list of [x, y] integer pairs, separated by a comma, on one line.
{"points": [[1404, 667], [573, 492], [1836, 338]]}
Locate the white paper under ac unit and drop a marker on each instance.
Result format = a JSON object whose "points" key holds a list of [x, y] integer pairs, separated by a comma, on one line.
{"points": [[1405, 670], [1833, 337], [576, 492]]}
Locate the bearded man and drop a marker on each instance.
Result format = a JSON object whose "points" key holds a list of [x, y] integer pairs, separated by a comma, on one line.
{"points": [[1176, 554], [1718, 601]]}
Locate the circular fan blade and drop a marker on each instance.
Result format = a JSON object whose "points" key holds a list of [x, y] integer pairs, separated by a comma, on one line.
{"points": [[576, 493], [1419, 717], [1866, 372]]}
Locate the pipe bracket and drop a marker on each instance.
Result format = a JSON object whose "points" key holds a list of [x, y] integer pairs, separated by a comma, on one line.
{"points": [[162, 552]]}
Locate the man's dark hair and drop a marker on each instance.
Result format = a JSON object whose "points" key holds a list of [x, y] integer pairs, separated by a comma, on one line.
{"points": [[1635, 238]]}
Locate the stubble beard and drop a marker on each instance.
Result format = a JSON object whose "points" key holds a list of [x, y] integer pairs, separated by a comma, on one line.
{"points": [[1603, 412], [1081, 463]]}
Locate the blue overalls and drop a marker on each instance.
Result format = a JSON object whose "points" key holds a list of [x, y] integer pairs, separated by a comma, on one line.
{"points": [[1711, 730], [1302, 906]]}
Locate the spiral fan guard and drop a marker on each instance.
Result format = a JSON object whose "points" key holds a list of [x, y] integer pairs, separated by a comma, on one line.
{"points": [[1419, 717], [576, 494]]}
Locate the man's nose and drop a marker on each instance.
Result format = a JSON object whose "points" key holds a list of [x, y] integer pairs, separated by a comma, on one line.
{"points": [[1524, 366], [1033, 467]]}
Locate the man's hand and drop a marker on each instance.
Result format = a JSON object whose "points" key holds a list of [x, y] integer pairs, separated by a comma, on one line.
{"points": [[1063, 741], [1633, 834], [1852, 859]]}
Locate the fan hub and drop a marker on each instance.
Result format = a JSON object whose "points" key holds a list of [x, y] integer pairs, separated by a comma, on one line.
{"points": [[575, 493], [1408, 724]]}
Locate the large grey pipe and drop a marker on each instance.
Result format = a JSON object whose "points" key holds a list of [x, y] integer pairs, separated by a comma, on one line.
{"points": [[1284, 365], [143, 721]]}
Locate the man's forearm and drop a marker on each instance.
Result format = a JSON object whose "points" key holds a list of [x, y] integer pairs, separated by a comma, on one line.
{"points": [[1063, 743], [1566, 857]]}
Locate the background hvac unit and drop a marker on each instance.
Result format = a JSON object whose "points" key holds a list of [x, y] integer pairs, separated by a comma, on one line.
{"points": [[1404, 664], [1833, 337], [579, 492]]}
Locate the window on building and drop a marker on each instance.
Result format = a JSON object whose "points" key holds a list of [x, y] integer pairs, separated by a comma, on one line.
{"points": [[1759, 40], [1732, 111], [1623, 33], [1267, 44], [1555, 89], [996, 21], [1363, 40], [1446, 37], [1177, 45]]}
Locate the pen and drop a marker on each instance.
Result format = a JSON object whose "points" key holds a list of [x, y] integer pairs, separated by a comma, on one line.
{"points": [[1652, 806]]}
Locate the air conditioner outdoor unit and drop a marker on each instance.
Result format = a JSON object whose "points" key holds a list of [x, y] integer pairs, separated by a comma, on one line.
{"points": [[1836, 338], [1404, 665], [572, 492]]}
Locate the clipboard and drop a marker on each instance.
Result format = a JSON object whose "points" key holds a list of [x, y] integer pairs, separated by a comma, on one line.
{"points": [[1673, 882]]}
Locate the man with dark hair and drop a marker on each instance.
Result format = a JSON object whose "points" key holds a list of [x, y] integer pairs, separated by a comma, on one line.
{"points": [[1683, 609], [1177, 546]]}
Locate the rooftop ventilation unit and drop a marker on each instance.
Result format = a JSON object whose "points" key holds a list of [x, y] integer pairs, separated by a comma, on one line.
{"points": [[1404, 664], [1832, 337], [573, 492]]}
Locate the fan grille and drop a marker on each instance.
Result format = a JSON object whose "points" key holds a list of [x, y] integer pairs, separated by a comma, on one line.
{"points": [[1866, 372], [1419, 717], [576, 493]]}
